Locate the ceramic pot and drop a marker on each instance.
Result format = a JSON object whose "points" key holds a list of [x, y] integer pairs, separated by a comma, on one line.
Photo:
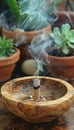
{"points": [[7, 65], [23, 39], [56, 97]]}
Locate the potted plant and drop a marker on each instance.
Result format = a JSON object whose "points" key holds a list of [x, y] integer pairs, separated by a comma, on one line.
{"points": [[61, 56], [33, 18], [8, 58]]}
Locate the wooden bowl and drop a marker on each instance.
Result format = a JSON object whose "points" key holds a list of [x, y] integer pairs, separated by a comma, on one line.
{"points": [[56, 98]]}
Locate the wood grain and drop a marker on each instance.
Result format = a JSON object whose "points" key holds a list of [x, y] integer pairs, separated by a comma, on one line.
{"points": [[10, 122], [59, 97]]}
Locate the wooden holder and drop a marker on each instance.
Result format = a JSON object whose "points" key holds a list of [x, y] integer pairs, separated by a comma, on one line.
{"points": [[59, 96]]}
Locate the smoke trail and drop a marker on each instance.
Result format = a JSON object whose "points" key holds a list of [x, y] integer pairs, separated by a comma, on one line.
{"points": [[38, 48]]}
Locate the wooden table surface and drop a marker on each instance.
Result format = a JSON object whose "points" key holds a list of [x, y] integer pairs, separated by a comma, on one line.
{"points": [[9, 121]]}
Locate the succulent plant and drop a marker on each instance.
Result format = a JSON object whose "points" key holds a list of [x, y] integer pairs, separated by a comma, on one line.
{"points": [[31, 14], [64, 40], [6, 47]]}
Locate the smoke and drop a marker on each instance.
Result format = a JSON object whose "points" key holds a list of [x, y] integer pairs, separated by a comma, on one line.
{"points": [[34, 16], [7, 20], [38, 50], [37, 14], [20, 38]]}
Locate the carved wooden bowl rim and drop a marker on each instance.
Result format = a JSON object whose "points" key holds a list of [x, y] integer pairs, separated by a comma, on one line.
{"points": [[67, 96]]}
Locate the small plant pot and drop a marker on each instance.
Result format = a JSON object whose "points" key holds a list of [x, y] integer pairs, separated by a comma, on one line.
{"points": [[56, 97], [7, 65]]}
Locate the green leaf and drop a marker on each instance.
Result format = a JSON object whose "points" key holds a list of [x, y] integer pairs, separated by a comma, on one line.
{"points": [[14, 8], [65, 29], [56, 35], [71, 45], [6, 47], [71, 36], [65, 50]]}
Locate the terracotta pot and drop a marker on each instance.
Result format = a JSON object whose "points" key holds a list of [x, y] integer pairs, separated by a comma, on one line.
{"points": [[56, 98], [7, 65], [61, 67], [64, 17], [24, 38]]}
